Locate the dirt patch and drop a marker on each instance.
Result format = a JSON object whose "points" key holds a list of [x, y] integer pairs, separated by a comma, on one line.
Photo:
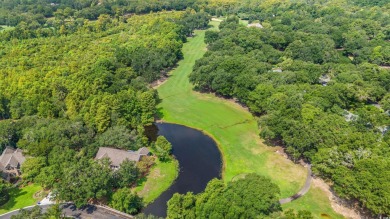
{"points": [[325, 216], [40, 194], [340, 206], [159, 82], [234, 101], [156, 173], [384, 67], [216, 19], [280, 150]]}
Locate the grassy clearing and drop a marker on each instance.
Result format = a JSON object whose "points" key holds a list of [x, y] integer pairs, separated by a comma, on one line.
{"points": [[244, 22], [234, 129], [20, 198], [159, 179], [315, 201]]}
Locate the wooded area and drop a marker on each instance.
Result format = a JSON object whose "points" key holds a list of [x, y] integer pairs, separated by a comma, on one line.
{"points": [[313, 77], [251, 196], [66, 94], [74, 76]]}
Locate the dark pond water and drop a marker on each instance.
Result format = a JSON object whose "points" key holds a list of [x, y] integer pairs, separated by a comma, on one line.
{"points": [[199, 161]]}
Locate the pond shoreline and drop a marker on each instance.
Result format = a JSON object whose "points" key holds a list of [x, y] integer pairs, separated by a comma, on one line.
{"points": [[199, 162]]}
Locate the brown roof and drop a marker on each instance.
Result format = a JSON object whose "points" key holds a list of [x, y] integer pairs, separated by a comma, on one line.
{"points": [[118, 156], [12, 157]]}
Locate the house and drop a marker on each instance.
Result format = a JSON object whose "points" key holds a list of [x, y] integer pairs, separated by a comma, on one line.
{"points": [[324, 79], [257, 25], [10, 161], [117, 156], [277, 70]]}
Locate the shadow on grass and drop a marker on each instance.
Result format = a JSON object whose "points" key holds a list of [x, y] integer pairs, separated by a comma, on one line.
{"points": [[14, 193], [160, 113], [141, 181]]}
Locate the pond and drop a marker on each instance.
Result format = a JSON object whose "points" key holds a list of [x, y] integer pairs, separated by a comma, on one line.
{"points": [[199, 162]]}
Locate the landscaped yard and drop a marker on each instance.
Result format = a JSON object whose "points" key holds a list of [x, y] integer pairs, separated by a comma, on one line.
{"points": [[159, 179], [20, 198], [235, 130]]}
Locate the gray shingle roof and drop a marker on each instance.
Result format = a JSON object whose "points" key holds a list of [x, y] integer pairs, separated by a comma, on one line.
{"points": [[12, 157], [143, 151], [117, 156], [258, 25]]}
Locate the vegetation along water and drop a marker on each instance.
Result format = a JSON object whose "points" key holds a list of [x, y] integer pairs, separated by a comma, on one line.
{"points": [[277, 84]]}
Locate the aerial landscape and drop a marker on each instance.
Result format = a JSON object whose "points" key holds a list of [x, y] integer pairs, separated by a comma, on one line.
{"points": [[195, 109]]}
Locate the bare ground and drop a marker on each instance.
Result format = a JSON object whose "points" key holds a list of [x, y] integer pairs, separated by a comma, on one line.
{"points": [[159, 82], [338, 204], [384, 67], [216, 19]]}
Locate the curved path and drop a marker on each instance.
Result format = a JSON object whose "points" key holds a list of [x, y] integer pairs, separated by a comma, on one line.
{"points": [[234, 129], [303, 190]]}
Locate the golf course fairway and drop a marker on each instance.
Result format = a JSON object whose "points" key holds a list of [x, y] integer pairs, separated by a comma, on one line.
{"points": [[235, 131]]}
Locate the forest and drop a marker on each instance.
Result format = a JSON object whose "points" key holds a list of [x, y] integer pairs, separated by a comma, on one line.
{"points": [[253, 196], [37, 12], [317, 77], [75, 76], [62, 96]]}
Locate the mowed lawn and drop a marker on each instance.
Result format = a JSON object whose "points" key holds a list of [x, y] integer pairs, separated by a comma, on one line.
{"points": [[20, 198], [234, 129], [159, 179]]}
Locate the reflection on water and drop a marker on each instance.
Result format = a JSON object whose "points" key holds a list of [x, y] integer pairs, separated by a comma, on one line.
{"points": [[199, 161]]}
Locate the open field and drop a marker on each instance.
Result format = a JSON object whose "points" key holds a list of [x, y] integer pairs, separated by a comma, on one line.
{"points": [[235, 130], [159, 179], [20, 198]]}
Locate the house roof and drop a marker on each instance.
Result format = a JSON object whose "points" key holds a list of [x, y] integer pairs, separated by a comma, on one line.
{"points": [[143, 151], [12, 157], [258, 25], [118, 156]]}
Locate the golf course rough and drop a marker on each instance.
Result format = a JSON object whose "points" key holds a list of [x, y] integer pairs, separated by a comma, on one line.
{"points": [[236, 132]]}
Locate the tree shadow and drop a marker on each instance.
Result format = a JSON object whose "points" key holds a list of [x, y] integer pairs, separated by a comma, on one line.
{"points": [[141, 181], [77, 212], [89, 208], [209, 26], [159, 113], [13, 194]]}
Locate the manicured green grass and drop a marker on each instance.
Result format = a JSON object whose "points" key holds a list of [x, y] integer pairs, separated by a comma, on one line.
{"points": [[20, 198], [233, 128], [159, 179], [315, 202]]}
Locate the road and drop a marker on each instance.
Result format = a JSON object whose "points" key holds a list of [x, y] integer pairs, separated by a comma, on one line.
{"points": [[89, 212], [303, 190]]}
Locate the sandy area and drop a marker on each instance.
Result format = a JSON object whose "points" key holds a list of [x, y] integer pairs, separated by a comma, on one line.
{"points": [[338, 205]]}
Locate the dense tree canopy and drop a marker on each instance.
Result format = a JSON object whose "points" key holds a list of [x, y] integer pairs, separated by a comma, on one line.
{"points": [[84, 180], [127, 174], [4, 191], [124, 200], [163, 148], [313, 75], [82, 86], [250, 197], [74, 76], [54, 212], [39, 12]]}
